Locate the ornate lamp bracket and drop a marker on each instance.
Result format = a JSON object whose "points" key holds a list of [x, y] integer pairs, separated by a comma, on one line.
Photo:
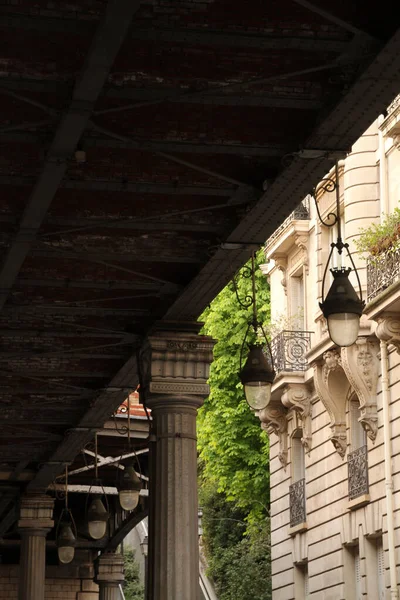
{"points": [[273, 420], [332, 387], [297, 397], [361, 365], [388, 330]]}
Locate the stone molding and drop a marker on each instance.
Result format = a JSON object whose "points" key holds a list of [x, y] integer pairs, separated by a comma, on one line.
{"points": [[368, 519], [36, 514], [274, 420], [281, 264], [332, 387], [301, 242], [176, 363], [298, 398], [110, 569], [361, 365], [388, 330]]}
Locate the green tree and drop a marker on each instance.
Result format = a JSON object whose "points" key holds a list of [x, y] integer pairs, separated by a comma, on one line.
{"points": [[133, 589], [238, 564], [233, 451]]}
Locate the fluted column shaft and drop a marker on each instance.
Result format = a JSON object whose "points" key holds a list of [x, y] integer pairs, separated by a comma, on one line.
{"points": [[34, 524], [32, 565], [173, 529], [109, 591]]}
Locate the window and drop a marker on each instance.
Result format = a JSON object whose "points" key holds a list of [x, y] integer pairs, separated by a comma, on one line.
{"points": [[301, 582], [358, 437], [352, 573], [357, 574], [296, 305], [357, 459], [297, 489]]}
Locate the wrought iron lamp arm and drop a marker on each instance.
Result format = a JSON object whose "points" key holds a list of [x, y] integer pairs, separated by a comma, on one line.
{"points": [[329, 185]]}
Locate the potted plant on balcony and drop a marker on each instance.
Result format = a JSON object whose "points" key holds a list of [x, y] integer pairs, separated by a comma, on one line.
{"points": [[379, 239]]}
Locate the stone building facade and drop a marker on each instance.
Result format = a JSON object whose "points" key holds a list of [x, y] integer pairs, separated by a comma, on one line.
{"points": [[334, 415]]}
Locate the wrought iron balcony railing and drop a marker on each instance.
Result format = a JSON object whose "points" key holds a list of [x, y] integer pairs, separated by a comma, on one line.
{"points": [[297, 494], [289, 350], [357, 462], [382, 271], [300, 213]]}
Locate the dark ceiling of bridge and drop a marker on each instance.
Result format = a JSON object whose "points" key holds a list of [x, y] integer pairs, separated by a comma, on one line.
{"points": [[194, 119]]}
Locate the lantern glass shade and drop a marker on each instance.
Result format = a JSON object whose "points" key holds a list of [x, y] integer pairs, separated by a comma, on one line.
{"points": [[343, 328], [97, 519], [257, 377], [258, 394], [66, 544], [342, 309], [129, 487], [128, 499]]}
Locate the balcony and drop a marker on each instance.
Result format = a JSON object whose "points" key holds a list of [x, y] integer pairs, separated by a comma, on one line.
{"points": [[289, 350], [357, 462], [300, 213], [297, 493], [382, 271]]}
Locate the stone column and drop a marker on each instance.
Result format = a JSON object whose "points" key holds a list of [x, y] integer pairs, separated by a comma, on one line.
{"points": [[35, 522], [176, 369], [110, 575]]}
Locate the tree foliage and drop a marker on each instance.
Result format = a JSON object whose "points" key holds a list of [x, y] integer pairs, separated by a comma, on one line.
{"points": [[238, 564], [233, 450], [133, 589]]}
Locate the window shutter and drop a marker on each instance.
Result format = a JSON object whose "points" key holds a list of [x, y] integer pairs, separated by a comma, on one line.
{"points": [[296, 303]]}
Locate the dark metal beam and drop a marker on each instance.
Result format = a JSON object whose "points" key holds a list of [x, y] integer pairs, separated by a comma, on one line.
{"points": [[126, 526], [106, 43], [202, 37], [126, 186], [266, 99], [88, 285], [139, 256], [46, 309]]}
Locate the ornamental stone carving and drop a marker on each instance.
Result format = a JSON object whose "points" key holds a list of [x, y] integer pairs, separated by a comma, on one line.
{"points": [[361, 365], [332, 387], [297, 397], [273, 420], [301, 242], [388, 330], [176, 362], [281, 264]]}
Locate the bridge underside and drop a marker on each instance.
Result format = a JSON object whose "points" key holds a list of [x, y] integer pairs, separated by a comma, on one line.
{"points": [[145, 149]]}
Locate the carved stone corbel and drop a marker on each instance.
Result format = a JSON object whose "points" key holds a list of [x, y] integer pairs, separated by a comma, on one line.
{"points": [[297, 397], [396, 140], [273, 420], [332, 387], [281, 264], [301, 242], [388, 330], [361, 365]]}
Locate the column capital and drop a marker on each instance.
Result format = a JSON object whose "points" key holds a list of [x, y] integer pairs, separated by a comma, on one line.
{"points": [[110, 569], [176, 362], [36, 512]]}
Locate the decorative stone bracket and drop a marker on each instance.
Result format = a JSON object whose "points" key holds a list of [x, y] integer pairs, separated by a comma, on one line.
{"points": [[281, 264], [301, 242], [388, 330], [273, 420], [332, 387], [361, 365], [297, 397]]}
